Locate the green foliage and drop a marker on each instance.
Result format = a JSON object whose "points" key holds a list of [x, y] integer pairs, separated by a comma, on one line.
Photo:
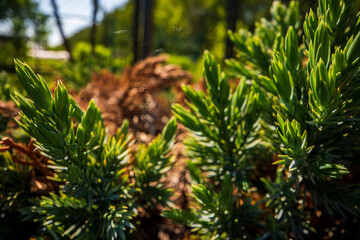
{"points": [[4, 86], [19, 16], [182, 61], [215, 118], [297, 101], [97, 199], [152, 163], [78, 74], [82, 53], [295, 109], [223, 127]]}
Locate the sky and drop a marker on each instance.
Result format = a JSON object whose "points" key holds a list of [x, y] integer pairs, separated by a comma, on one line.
{"points": [[75, 15]]}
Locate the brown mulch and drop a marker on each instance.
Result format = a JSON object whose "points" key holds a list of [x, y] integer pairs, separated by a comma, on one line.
{"points": [[136, 95]]}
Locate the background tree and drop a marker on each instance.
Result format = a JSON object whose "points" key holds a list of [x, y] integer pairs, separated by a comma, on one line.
{"points": [[19, 16], [93, 27], [231, 17], [66, 42]]}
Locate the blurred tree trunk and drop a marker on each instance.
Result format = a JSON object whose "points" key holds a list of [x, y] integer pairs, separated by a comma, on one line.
{"points": [[148, 27], [143, 21], [59, 24], [136, 30], [93, 27], [105, 39], [232, 8]]}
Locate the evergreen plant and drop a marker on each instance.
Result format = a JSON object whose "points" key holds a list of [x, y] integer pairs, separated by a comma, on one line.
{"points": [[297, 102]]}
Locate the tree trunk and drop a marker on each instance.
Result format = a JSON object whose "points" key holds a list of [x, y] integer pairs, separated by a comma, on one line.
{"points": [[136, 30], [59, 24], [231, 17], [148, 25], [93, 27]]}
